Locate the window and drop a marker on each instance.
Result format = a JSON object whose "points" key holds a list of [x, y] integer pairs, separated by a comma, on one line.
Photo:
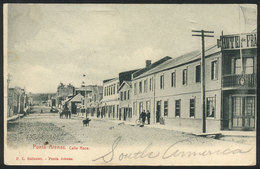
{"points": [[114, 89], [140, 87], [214, 74], [105, 91], [124, 95], [173, 79], [134, 108], [177, 108], [165, 108], [198, 74], [117, 87], [140, 107], [249, 66], [211, 106], [121, 96], [128, 94], [145, 86], [192, 107], [134, 88], [161, 81], [148, 106], [151, 84], [184, 77], [237, 66]]}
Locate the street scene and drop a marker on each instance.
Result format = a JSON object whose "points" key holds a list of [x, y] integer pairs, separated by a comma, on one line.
{"points": [[118, 85], [39, 128]]}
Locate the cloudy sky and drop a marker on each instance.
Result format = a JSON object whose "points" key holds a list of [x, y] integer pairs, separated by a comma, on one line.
{"points": [[52, 43]]}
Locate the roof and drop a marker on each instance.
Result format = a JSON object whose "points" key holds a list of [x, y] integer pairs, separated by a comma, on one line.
{"points": [[76, 98], [183, 59], [88, 88], [65, 101], [129, 83], [108, 80], [151, 66]]}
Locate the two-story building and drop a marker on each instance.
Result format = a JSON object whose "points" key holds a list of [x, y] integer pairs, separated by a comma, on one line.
{"points": [[110, 101], [125, 103], [176, 92], [143, 89], [172, 90], [94, 100]]}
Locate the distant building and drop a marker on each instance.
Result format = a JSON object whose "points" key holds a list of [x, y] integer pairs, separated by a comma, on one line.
{"points": [[94, 100], [64, 91], [17, 101], [91, 97]]}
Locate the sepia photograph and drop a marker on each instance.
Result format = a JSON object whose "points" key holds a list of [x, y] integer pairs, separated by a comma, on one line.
{"points": [[130, 84]]}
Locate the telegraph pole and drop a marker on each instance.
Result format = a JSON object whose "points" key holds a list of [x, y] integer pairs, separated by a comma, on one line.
{"points": [[202, 34]]}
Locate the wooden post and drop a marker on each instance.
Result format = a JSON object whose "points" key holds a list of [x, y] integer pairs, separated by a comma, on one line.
{"points": [[203, 83], [202, 35]]}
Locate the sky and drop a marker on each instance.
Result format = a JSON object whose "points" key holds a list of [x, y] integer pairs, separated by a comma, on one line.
{"points": [[51, 43]]}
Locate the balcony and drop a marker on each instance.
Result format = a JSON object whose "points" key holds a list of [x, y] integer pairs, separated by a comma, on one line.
{"points": [[239, 81]]}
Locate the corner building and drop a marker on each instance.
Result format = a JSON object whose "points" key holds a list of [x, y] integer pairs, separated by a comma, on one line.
{"points": [[171, 91]]}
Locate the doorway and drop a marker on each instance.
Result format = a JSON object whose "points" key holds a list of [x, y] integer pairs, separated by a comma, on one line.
{"points": [[243, 112], [158, 111]]}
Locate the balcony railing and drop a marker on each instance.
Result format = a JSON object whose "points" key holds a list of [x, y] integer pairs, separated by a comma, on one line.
{"points": [[239, 81]]}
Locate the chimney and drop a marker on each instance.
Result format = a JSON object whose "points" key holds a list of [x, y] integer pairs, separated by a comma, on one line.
{"points": [[147, 63]]}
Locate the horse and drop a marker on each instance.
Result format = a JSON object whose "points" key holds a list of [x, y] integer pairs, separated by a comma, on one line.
{"points": [[62, 113]]}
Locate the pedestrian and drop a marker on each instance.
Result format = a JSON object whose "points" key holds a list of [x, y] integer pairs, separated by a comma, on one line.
{"points": [[142, 117], [148, 115]]}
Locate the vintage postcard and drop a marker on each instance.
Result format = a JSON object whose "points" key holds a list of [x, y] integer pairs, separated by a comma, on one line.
{"points": [[130, 84]]}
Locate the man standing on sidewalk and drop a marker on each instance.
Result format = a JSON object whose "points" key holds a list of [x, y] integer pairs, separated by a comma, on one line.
{"points": [[148, 115], [142, 117]]}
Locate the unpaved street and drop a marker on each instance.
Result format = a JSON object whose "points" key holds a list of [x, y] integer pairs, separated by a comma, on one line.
{"points": [[48, 128]]}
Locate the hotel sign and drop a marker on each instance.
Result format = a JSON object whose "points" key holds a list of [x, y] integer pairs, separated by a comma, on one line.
{"points": [[229, 42]]}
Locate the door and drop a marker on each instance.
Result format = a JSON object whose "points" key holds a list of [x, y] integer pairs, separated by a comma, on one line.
{"points": [[117, 111], [158, 111], [125, 114], [243, 112], [120, 111]]}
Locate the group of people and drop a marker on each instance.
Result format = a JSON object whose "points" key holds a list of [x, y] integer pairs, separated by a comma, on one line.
{"points": [[144, 115], [65, 112]]}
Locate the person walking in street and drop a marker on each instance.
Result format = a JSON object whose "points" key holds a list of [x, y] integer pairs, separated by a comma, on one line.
{"points": [[142, 117], [148, 115]]}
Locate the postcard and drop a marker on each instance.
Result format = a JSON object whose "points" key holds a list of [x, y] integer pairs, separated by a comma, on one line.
{"points": [[130, 84]]}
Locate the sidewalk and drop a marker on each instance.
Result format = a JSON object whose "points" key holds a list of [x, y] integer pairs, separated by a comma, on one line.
{"points": [[15, 117], [189, 130]]}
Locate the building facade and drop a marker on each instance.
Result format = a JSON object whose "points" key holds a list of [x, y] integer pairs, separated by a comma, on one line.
{"points": [[125, 103], [110, 101], [172, 90], [143, 92], [239, 72], [63, 91], [17, 101], [94, 100]]}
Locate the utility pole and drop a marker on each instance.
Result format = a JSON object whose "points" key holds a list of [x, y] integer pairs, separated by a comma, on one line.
{"points": [[202, 72]]}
